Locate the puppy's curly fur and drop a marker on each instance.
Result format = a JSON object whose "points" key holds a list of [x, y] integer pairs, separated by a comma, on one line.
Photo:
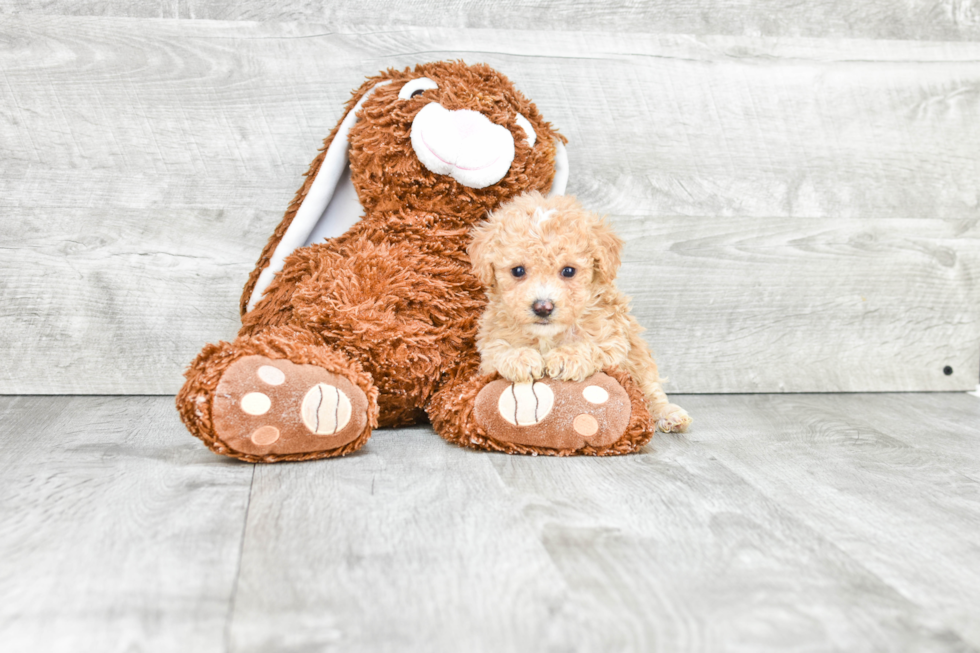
{"points": [[549, 267]]}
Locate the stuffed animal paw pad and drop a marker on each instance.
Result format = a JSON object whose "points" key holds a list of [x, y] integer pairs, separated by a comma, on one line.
{"points": [[524, 404], [266, 406], [562, 415]]}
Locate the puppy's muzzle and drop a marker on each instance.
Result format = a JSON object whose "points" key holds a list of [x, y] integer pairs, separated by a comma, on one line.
{"points": [[543, 307]]}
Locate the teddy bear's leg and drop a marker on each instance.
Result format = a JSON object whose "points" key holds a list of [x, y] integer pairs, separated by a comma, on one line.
{"points": [[278, 395], [602, 416]]}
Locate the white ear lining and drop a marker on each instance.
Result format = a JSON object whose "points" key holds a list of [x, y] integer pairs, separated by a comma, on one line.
{"points": [[560, 181], [342, 213], [329, 209]]}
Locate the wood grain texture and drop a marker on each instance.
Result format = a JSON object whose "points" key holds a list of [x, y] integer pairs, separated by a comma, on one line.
{"points": [[415, 545], [852, 164], [143, 113], [808, 304], [781, 522], [951, 427], [741, 304], [120, 532], [673, 551], [828, 459], [121, 308], [409, 544], [913, 19]]}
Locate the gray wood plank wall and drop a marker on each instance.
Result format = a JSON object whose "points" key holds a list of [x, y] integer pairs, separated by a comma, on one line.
{"points": [[941, 20], [801, 213]]}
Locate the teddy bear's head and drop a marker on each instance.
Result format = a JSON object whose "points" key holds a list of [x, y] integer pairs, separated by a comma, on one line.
{"points": [[448, 138], [443, 138]]}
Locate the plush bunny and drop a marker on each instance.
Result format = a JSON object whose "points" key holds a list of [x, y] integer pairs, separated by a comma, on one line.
{"points": [[362, 310]]}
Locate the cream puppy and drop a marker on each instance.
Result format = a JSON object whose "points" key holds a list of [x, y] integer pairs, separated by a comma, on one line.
{"points": [[549, 268]]}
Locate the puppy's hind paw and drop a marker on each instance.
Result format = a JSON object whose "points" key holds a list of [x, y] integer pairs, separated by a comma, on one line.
{"points": [[673, 419]]}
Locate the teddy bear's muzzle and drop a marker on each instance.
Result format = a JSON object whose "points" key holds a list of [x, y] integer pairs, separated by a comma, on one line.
{"points": [[463, 144]]}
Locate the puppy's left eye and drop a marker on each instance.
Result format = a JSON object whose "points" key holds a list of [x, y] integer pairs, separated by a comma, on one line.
{"points": [[568, 272]]}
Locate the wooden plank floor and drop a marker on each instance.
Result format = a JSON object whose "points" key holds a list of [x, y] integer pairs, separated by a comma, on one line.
{"points": [[781, 522]]}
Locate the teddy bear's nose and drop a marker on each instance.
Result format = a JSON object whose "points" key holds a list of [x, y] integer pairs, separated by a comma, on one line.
{"points": [[463, 144], [466, 122], [543, 308]]}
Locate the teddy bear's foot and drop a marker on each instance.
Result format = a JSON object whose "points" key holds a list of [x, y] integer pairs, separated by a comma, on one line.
{"points": [[275, 408], [564, 416]]}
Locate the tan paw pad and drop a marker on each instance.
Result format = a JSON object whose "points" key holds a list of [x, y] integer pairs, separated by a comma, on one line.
{"points": [[595, 395], [526, 403], [256, 403], [585, 425], [271, 375], [264, 435], [326, 409]]}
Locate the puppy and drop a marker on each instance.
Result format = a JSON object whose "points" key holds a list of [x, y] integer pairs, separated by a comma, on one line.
{"points": [[549, 268]]}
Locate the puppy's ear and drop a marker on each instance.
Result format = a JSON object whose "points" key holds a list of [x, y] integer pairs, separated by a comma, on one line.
{"points": [[608, 252], [481, 253]]}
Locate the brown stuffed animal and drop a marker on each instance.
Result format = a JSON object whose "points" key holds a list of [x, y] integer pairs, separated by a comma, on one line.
{"points": [[362, 311]]}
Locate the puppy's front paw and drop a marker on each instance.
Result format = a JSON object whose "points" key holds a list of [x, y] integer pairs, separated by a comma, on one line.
{"points": [[673, 419], [568, 365], [521, 365]]}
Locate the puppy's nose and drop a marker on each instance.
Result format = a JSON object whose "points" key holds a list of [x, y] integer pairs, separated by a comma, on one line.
{"points": [[543, 307]]}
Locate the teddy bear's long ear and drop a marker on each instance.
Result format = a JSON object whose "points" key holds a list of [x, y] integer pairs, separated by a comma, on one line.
{"points": [[325, 207], [561, 170]]}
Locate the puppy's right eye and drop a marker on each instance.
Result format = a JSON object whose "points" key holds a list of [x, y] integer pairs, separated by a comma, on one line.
{"points": [[518, 272]]}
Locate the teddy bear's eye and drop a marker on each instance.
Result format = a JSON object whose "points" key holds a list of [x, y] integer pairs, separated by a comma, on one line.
{"points": [[518, 272], [415, 87], [568, 272]]}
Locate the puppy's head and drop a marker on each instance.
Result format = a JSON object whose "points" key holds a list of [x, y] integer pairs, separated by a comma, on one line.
{"points": [[543, 260]]}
